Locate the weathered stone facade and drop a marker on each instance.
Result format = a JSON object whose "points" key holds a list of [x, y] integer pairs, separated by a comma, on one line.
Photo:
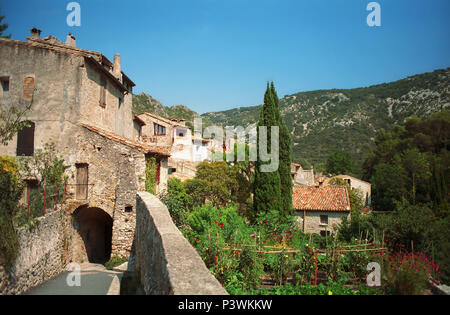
{"points": [[163, 259], [302, 176], [320, 209], [82, 103], [44, 253], [314, 224]]}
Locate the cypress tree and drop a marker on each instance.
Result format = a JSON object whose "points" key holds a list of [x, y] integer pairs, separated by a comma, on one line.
{"points": [[266, 186], [285, 159]]}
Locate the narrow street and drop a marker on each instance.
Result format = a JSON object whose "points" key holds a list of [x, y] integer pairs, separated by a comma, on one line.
{"points": [[95, 280]]}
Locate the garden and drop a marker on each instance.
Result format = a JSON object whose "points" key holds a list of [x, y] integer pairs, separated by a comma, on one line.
{"points": [[263, 260]]}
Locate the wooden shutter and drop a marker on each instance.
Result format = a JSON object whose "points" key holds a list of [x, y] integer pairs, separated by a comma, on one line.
{"points": [[102, 91], [82, 181], [25, 141]]}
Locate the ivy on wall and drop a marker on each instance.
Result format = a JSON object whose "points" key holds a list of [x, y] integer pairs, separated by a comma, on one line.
{"points": [[151, 165]]}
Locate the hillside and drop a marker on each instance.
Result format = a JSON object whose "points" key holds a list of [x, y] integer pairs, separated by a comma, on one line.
{"points": [[146, 103], [324, 121]]}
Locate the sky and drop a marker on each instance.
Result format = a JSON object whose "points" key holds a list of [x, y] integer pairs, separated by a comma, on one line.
{"points": [[213, 55]]}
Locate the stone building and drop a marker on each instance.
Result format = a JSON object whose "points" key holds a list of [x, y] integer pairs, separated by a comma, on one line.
{"points": [[365, 188], [81, 101], [301, 176], [320, 209]]}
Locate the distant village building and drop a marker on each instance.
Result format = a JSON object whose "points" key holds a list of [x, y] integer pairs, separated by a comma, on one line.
{"points": [[81, 101], [355, 183], [320, 209], [301, 176]]}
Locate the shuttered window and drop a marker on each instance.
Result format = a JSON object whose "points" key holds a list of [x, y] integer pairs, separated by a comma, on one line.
{"points": [[82, 181], [102, 101], [25, 141]]}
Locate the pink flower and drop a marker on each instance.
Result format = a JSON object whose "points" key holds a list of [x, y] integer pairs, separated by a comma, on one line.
{"points": [[253, 235]]}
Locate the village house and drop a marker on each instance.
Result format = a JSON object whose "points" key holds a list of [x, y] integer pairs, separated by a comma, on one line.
{"points": [[186, 151], [365, 188], [301, 176], [320, 209], [81, 101]]}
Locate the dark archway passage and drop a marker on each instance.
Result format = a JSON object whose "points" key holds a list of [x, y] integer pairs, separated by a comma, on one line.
{"points": [[95, 228]]}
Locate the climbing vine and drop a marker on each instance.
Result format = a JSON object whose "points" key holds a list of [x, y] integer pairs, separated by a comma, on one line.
{"points": [[151, 166]]}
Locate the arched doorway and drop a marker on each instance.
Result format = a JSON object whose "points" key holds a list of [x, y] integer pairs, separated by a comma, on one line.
{"points": [[95, 228]]}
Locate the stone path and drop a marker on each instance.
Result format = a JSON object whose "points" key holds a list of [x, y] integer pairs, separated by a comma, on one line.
{"points": [[95, 280]]}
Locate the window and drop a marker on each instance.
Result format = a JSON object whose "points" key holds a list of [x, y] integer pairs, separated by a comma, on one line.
{"points": [[172, 170], [323, 219], [159, 130], [4, 85], [82, 181], [128, 209], [25, 141], [102, 101], [325, 233], [181, 134]]}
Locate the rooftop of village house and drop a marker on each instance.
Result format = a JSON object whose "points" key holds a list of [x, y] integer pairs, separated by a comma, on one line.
{"points": [[97, 59], [326, 198]]}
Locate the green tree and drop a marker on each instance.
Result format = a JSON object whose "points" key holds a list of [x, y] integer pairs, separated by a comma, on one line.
{"points": [[340, 163], [215, 182], [266, 185], [177, 201], [285, 159]]}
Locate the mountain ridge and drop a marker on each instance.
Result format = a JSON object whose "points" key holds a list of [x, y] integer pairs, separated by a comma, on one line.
{"points": [[327, 120]]}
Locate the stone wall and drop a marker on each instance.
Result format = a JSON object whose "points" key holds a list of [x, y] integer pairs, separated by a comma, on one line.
{"points": [[116, 172], [43, 254], [164, 260], [313, 224]]}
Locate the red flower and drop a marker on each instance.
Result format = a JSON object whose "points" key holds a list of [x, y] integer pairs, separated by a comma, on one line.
{"points": [[266, 221], [217, 234]]}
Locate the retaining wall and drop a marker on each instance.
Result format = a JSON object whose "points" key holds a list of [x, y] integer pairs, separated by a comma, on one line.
{"points": [[164, 261]]}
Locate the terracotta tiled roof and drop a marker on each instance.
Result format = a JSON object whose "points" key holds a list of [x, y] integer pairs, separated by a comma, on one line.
{"points": [[145, 148], [168, 121], [328, 198]]}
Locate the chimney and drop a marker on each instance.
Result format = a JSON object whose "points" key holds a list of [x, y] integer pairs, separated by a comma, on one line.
{"points": [[35, 33], [116, 68], [70, 41]]}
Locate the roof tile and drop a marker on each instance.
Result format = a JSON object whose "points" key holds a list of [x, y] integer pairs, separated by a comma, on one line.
{"points": [[328, 198]]}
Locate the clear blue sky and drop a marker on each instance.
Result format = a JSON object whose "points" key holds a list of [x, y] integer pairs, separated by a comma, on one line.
{"points": [[214, 55]]}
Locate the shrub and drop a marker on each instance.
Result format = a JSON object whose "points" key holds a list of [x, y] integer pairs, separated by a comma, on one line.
{"points": [[11, 188], [408, 273], [115, 261], [177, 201]]}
